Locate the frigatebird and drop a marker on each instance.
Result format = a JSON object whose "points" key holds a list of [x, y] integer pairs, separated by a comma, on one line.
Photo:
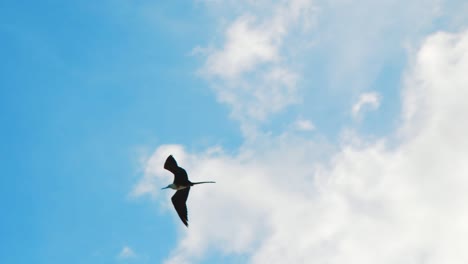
{"points": [[182, 185]]}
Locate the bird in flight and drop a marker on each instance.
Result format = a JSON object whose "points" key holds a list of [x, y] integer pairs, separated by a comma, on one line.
{"points": [[182, 185]]}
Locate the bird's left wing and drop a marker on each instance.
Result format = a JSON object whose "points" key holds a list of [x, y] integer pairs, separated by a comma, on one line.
{"points": [[179, 200], [180, 175]]}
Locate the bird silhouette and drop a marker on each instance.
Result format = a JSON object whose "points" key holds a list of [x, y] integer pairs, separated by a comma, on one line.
{"points": [[182, 186]]}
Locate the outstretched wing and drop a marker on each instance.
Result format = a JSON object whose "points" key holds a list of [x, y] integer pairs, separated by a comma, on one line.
{"points": [[171, 164], [180, 175], [179, 200]]}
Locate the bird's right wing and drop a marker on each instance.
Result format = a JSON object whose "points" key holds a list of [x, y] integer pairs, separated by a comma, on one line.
{"points": [[179, 200], [171, 164]]}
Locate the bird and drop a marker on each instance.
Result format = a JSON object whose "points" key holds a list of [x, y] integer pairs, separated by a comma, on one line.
{"points": [[182, 186]]}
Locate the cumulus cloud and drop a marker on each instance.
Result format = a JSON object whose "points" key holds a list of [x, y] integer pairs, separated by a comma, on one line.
{"points": [[290, 199], [369, 101]]}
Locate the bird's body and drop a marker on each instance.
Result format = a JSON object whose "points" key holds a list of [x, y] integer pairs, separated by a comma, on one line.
{"points": [[177, 187], [182, 185]]}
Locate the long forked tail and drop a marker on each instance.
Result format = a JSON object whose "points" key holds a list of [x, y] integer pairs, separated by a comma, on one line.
{"points": [[203, 182]]}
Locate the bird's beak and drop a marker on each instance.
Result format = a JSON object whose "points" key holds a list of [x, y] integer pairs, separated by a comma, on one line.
{"points": [[164, 188]]}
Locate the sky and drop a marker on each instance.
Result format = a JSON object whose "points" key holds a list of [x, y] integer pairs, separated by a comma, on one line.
{"points": [[335, 131]]}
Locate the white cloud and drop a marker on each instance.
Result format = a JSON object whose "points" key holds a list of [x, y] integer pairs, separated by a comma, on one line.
{"points": [[266, 36], [251, 72], [366, 101], [246, 46], [126, 253], [287, 199]]}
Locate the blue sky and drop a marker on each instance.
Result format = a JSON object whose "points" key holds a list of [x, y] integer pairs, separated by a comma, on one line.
{"points": [[94, 96], [85, 88]]}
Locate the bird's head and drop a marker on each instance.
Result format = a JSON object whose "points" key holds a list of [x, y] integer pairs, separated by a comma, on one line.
{"points": [[172, 186]]}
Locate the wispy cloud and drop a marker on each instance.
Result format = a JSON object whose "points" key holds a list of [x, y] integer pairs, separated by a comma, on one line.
{"points": [[247, 44], [262, 37], [357, 50], [304, 125], [126, 253], [250, 71], [366, 102]]}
